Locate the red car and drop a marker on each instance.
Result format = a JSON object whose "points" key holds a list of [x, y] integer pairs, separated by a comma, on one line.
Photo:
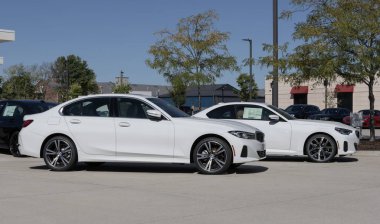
{"points": [[347, 119]]}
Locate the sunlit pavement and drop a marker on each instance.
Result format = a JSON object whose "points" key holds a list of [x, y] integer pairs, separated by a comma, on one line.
{"points": [[279, 190]]}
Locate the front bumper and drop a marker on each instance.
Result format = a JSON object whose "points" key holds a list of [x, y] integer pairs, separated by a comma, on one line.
{"points": [[348, 144], [248, 150]]}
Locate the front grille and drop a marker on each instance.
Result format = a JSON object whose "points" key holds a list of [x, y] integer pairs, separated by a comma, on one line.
{"points": [[261, 153], [260, 136]]}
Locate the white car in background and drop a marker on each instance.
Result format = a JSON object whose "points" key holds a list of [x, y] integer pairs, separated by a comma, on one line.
{"points": [[321, 141], [131, 128]]}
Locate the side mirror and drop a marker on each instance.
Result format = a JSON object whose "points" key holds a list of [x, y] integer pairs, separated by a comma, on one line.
{"points": [[274, 117], [154, 114]]}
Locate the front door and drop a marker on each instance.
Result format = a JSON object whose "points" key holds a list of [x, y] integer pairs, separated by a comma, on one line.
{"points": [[277, 134], [138, 137]]}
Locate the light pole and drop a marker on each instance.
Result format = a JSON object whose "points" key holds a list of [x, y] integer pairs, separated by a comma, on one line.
{"points": [[275, 54], [250, 67]]}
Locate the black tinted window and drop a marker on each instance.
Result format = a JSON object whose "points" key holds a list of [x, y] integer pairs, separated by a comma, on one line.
{"points": [[225, 112], [131, 108], [93, 107]]}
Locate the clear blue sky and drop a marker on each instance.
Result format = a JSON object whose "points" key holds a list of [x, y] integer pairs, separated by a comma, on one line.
{"points": [[115, 35]]}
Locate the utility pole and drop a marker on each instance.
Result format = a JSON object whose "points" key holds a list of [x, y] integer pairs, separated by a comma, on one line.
{"points": [[250, 68], [275, 54]]}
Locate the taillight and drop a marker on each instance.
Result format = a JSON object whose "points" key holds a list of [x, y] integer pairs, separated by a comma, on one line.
{"points": [[26, 123]]}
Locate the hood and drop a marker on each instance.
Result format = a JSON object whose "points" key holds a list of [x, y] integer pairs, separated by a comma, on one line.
{"points": [[219, 124], [332, 124]]}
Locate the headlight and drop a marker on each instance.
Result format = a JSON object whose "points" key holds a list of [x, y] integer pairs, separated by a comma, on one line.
{"points": [[343, 131], [243, 134]]}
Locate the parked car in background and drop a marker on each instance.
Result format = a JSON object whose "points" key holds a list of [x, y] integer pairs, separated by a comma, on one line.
{"points": [[302, 111], [132, 128], [321, 141], [11, 120], [331, 114], [366, 116]]}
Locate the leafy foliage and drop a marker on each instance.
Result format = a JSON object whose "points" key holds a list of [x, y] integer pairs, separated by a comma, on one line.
{"points": [[19, 83], [244, 81], [196, 52], [73, 70]]}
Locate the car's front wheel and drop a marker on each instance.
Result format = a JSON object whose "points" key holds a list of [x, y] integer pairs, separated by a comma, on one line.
{"points": [[321, 148], [212, 156], [60, 153]]}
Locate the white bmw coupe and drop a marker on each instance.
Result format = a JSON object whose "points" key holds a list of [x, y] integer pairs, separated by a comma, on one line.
{"points": [[119, 127], [321, 141]]}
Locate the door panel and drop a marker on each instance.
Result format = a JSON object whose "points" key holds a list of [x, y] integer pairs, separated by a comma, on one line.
{"points": [[92, 126], [139, 137]]}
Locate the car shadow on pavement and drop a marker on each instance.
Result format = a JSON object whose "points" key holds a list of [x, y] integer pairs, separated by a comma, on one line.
{"points": [[155, 168], [306, 159]]}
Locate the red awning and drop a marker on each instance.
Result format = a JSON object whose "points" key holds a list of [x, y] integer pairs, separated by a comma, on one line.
{"points": [[299, 90], [344, 88]]}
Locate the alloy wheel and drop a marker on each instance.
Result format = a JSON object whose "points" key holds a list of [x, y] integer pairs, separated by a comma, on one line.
{"points": [[213, 156], [321, 148], [60, 154]]}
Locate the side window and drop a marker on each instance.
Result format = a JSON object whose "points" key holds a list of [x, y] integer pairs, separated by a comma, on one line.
{"points": [[93, 107], [249, 112], [12, 110], [131, 108], [225, 112]]}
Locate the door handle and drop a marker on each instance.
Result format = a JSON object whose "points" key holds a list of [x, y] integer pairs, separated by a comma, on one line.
{"points": [[124, 124], [75, 121]]}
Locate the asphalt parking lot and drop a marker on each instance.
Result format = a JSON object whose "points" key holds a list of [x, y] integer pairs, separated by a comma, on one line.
{"points": [[279, 190]]}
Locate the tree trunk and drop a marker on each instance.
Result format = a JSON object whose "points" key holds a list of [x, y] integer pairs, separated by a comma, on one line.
{"points": [[371, 98]]}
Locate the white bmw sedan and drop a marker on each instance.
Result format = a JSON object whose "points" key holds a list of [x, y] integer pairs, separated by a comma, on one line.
{"points": [[119, 127], [321, 141]]}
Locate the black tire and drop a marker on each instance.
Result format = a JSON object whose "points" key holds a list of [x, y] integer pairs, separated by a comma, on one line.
{"points": [[60, 153], [321, 148], [13, 145], [212, 156]]}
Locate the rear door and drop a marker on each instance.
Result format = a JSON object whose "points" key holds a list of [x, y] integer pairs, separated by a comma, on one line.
{"points": [[11, 119], [91, 124]]}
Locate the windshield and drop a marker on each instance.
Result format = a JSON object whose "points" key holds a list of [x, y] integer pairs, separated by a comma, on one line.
{"points": [[281, 112], [168, 107], [294, 108]]}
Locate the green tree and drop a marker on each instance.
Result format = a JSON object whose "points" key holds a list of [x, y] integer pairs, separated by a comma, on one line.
{"points": [[244, 81], [73, 70], [18, 84], [122, 88], [75, 90], [196, 51], [178, 91], [339, 38]]}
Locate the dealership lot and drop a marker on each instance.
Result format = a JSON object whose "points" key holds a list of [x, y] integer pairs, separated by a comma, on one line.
{"points": [[280, 190]]}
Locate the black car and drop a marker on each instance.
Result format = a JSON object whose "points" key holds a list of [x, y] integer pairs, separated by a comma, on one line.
{"points": [[331, 114], [11, 119], [302, 111]]}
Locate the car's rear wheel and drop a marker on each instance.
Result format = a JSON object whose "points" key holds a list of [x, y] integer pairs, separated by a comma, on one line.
{"points": [[60, 153], [212, 156], [321, 148], [13, 145]]}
